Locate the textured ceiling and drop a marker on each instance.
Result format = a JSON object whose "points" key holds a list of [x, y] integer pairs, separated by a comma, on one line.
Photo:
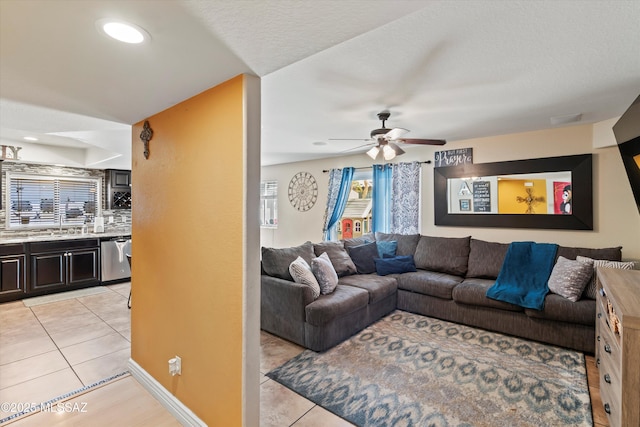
{"points": [[452, 70]]}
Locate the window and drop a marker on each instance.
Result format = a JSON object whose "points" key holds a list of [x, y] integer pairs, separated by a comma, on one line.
{"points": [[357, 213], [269, 204], [47, 201]]}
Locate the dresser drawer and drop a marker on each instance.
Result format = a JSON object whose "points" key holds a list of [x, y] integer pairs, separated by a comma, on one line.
{"points": [[610, 378], [612, 405]]}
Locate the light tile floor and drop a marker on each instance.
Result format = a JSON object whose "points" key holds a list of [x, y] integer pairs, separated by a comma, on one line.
{"points": [[51, 349]]}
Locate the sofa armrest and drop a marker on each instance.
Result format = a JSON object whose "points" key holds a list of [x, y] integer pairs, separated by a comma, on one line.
{"points": [[282, 307]]}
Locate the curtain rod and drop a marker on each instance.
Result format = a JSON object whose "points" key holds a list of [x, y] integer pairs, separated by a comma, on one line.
{"points": [[367, 167]]}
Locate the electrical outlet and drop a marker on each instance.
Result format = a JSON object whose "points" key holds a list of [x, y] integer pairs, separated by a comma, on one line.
{"points": [[175, 366]]}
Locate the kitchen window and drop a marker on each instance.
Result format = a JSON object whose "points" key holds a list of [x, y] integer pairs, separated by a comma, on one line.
{"points": [[269, 204], [35, 201]]}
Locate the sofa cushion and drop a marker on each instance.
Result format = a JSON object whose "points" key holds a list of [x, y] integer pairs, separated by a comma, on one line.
{"points": [[357, 241], [387, 248], [406, 242], [430, 283], [338, 255], [325, 274], [379, 287], [301, 273], [473, 291], [344, 300], [485, 258], [561, 309], [612, 254], [395, 265], [445, 254], [569, 278], [592, 285], [276, 262], [363, 256]]}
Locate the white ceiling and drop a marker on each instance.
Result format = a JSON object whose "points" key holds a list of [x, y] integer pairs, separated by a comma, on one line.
{"points": [[445, 69]]}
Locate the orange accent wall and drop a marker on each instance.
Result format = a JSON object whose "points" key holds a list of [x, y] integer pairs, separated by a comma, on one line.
{"points": [[510, 189], [187, 232]]}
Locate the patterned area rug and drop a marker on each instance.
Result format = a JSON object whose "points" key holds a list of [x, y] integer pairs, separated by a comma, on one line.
{"points": [[411, 370]]}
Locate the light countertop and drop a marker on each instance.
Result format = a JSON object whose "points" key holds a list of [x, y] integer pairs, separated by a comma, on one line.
{"points": [[22, 238]]}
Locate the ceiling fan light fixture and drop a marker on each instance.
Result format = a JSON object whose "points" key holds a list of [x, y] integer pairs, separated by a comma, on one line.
{"points": [[373, 152], [388, 152], [399, 151]]}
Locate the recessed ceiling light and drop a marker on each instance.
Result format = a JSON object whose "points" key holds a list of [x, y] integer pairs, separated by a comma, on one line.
{"points": [[30, 138], [123, 31], [319, 143]]}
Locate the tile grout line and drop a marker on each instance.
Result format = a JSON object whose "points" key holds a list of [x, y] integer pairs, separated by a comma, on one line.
{"points": [[57, 347], [303, 415]]}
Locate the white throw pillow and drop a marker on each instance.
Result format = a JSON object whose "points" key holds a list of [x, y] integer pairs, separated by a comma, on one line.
{"points": [[325, 273], [301, 273], [592, 286], [569, 278]]}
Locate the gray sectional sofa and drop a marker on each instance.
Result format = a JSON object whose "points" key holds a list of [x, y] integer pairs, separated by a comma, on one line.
{"points": [[450, 283]]}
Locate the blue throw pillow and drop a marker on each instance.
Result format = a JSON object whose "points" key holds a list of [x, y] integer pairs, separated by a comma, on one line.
{"points": [[362, 256], [396, 265], [387, 249]]}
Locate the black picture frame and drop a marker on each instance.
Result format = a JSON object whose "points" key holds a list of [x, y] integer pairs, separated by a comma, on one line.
{"points": [[580, 166]]}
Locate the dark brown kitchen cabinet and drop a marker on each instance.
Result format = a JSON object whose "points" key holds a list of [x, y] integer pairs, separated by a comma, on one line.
{"points": [[13, 272], [69, 264], [118, 189]]}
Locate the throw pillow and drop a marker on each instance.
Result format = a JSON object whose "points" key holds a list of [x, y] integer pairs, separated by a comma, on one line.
{"points": [[338, 255], [363, 256], [276, 262], [387, 249], [357, 241], [325, 274], [395, 265], [301, 273], [406, 242], [569, 278], [592, 286]]}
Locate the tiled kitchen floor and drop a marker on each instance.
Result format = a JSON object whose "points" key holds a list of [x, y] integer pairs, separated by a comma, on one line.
{"points": [[51, 349]]}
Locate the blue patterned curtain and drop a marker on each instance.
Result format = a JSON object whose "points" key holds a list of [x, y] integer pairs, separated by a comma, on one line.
{"points": [[405, 198], [381, 198], [339, 188]]}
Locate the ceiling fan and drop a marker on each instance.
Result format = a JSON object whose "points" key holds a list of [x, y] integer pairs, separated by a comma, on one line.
{"points": [[384, 140]]}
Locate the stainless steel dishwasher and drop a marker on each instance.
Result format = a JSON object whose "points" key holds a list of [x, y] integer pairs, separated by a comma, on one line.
{"points": [[115, 266]]}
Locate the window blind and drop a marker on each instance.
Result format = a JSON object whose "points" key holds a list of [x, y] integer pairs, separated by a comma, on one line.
{"points": [[37, 201], [269, 203]]}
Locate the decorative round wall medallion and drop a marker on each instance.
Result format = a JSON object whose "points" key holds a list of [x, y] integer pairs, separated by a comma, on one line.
{"points": [[303, 191]]}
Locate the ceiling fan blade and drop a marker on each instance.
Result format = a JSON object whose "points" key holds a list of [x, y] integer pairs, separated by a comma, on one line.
{"points": [[423, 141], [359, 146], [349, 139], [395, 133]]}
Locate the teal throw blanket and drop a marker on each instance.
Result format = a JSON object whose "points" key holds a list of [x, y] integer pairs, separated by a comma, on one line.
{"points": [[524, 274]]}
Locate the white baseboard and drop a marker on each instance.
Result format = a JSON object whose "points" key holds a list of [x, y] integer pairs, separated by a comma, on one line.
{"points": [[183, 414]]}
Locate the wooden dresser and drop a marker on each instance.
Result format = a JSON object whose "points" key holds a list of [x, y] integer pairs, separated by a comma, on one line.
{"points": [[618, 345]]}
